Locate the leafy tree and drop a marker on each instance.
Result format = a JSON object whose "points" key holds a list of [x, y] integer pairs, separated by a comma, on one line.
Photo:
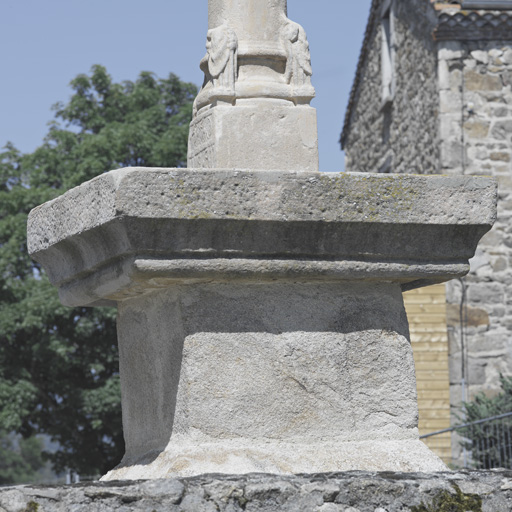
{"points": [[490, 442], [59, 365], [20, 459]]}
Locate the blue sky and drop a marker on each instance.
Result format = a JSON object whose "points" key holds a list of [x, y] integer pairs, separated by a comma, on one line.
{"points": [[46, 43]]}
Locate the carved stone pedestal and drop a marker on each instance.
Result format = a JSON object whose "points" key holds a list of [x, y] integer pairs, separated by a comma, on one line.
{"points": [[279, 377], [283, 137], [261, 324]]}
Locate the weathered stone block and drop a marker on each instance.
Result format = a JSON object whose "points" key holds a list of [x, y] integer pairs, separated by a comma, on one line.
{"points": [[444, 75], [502, 130], [475, 81], [507, 80], [480, 56], [283, 137], [507, 56], [452, 155], [475, 316], [450, 50], [476, 129], [500, 111], [500, 156], [450, 102], [288, 374], [183, 226]]}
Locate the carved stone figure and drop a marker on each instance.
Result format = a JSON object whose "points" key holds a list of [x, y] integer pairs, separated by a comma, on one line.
{"points": [[298, 64], [222, 55], [250, 44]]}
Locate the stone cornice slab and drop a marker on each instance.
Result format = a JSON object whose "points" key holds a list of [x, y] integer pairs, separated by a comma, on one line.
{"points": [[113, 236]]}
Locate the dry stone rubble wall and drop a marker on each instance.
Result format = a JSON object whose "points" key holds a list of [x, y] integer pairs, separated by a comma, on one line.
{"points": [[342, 492]]}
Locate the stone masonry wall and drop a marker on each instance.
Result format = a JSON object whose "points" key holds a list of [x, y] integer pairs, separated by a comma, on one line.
{"points": [[465, 109], [402, 137], [475, 80], [338, 492]]}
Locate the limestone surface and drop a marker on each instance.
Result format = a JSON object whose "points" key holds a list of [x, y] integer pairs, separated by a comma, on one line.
{"points": [[98, 241], [282, 137], [261, 324]]}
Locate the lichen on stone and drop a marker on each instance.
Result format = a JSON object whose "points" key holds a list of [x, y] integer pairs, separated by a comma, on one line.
{"points": [[446, 501], [32, 506]]}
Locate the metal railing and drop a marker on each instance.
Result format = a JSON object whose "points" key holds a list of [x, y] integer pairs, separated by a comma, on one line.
{"points": [[486, 443]]}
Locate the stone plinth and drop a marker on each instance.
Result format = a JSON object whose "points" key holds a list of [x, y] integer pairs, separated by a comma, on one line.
{"points": [[261, 324], [282, 137]]}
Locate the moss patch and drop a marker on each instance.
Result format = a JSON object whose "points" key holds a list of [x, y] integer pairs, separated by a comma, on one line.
{"points": [[32, 506], [448, 502]]}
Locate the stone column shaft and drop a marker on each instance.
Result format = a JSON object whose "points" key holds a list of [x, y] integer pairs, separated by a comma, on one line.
{"points": [[257, 21], [253, 109]]}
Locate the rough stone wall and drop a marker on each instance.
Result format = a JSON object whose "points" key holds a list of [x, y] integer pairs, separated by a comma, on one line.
{"points": [[475, 80], [402, 137], [341, 492], [464, 108]]}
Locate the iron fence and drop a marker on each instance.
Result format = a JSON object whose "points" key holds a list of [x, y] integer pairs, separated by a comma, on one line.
{"points": [[485, 443]]}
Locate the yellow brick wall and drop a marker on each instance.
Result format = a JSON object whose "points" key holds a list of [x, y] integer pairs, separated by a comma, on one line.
{"points": [[426, 311]]}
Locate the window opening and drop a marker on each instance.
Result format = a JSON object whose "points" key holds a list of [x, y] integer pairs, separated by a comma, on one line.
{"points": [[387, 53]]}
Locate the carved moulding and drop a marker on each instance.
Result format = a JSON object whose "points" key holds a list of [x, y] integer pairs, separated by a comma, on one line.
{"points": [[288, 63]]}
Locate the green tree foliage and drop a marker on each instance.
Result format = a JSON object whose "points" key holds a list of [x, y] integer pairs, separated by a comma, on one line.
{"points": [[58, 365], [489, 442], [20, 459]]}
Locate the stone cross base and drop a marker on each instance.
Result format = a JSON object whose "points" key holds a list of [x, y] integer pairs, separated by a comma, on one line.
{"points": [[185, 458], [268, 377], [283, 136], [261, 324]]}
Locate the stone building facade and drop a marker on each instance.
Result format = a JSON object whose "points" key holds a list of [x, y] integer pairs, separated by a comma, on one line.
{"points": [[449, 112], [397, 133]]}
